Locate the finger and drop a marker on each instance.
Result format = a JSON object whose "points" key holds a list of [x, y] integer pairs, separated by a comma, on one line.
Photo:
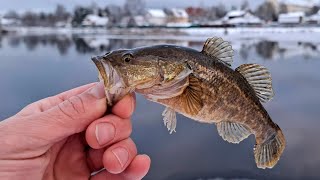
{"points": [[138, 169], [118, 157], [47, 103], [107, 130], [68, 117], [125, 107]]}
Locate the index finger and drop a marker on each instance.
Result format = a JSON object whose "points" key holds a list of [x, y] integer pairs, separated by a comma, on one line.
{"points": [[49, 102]]}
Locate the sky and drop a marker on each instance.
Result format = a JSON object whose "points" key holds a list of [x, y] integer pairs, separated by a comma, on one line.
{"points": [[49, 5]]}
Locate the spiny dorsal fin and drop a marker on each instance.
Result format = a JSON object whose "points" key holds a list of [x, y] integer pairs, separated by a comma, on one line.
{"points": [[232, 132], [217, 47], [260, 80]]}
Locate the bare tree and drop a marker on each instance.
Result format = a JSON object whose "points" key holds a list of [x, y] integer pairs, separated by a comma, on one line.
{"points": [[267, 11], [134, 7], [114, 14], [245, 5], [61, 13], [79, 14], [11, 15], [216, 12]]}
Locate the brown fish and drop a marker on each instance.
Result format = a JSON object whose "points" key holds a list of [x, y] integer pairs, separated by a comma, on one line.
{"points": [[201, 86]]}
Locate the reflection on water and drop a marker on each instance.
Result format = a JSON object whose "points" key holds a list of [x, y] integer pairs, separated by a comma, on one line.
{"points": [[265, 50], [34, 67]]}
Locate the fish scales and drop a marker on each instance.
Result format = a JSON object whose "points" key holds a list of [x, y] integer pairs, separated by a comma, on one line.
{"points": [[201, 86]]}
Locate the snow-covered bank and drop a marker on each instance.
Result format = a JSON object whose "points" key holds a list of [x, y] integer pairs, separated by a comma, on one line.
{"points": [[303, 34]]}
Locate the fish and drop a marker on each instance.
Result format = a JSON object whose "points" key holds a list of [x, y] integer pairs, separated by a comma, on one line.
{"points": [[201, 86]]}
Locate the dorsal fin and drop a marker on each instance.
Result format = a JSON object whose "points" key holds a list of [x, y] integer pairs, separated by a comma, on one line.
{"points": [[259, 78], [217, 47]]}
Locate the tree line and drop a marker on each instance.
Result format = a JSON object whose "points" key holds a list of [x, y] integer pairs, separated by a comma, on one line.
{"points": [[266, 11]]}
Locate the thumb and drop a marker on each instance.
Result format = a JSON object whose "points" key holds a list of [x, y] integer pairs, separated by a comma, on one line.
{"points": [[74, 114]]}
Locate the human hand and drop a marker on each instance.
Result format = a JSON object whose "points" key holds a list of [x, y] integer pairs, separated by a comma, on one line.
{"points": [[66, 137]]}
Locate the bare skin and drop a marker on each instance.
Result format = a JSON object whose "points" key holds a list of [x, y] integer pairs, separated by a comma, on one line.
{"points": [[67, 137]]}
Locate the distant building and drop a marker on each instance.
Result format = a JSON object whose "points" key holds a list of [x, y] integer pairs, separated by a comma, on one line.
{"points": [[237, 18], [156, 17], [313, 19], [297, 5], [8, 21], [177, 15], [195, 11], [95, 20], [292, 18], [177, 18]]}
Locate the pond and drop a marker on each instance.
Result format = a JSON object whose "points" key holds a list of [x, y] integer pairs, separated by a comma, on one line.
{"points": [[34, 67]]}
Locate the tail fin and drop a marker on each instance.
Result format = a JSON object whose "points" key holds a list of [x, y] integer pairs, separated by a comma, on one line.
{"points": [[268, 153]]}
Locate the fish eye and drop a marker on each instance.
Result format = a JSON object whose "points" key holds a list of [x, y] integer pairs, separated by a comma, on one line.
{"points": [[127, 58]]}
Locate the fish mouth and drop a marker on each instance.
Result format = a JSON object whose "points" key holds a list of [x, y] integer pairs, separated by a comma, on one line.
{"points": [[115, 88]]}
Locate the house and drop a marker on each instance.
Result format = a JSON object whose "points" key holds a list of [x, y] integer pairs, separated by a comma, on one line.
{"points": [[292, 18], [313, 19], [156, 17], [297, 5], [95, 20], [238, 17], [9, 21], [176, 15], [177, 18]]}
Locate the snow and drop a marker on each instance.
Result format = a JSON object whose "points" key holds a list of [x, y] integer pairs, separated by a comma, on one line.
{"points": [[237, 18], [297, 34], [179, 13], [8, 22], [235, 13], [158, 13], [293, 17], [94, 20], [293, 14]]}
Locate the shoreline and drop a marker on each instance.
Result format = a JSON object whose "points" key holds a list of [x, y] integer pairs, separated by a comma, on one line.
{"points": [[303, 34]]}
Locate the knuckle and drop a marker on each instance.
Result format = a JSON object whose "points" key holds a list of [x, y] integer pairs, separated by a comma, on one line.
{"points": [[72, 107]]}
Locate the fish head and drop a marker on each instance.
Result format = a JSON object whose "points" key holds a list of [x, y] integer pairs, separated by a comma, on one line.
{"points": [[136, 69]]}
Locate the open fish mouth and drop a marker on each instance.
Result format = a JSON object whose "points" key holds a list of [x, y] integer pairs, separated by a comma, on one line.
{"points": [[115, 87]]}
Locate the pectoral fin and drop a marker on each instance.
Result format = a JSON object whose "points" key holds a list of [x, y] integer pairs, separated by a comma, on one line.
{"points": [[170, 119], [232, 132], [191, 97]]}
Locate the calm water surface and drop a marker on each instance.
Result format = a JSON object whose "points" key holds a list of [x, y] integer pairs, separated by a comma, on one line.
{"points": [[34, 67]]}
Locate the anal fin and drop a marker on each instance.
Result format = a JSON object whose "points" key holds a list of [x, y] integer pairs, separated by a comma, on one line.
{"points": [[232, 132], [170, 119]]}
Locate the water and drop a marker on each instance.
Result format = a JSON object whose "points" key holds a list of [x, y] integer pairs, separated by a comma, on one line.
{"points": [[34, 67]]}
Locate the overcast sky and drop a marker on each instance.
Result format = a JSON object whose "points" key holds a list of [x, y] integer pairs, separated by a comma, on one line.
{"points": [[49, 5]]}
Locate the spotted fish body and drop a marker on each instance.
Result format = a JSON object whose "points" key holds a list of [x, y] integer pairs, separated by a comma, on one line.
{"points": [[203, 87]]}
